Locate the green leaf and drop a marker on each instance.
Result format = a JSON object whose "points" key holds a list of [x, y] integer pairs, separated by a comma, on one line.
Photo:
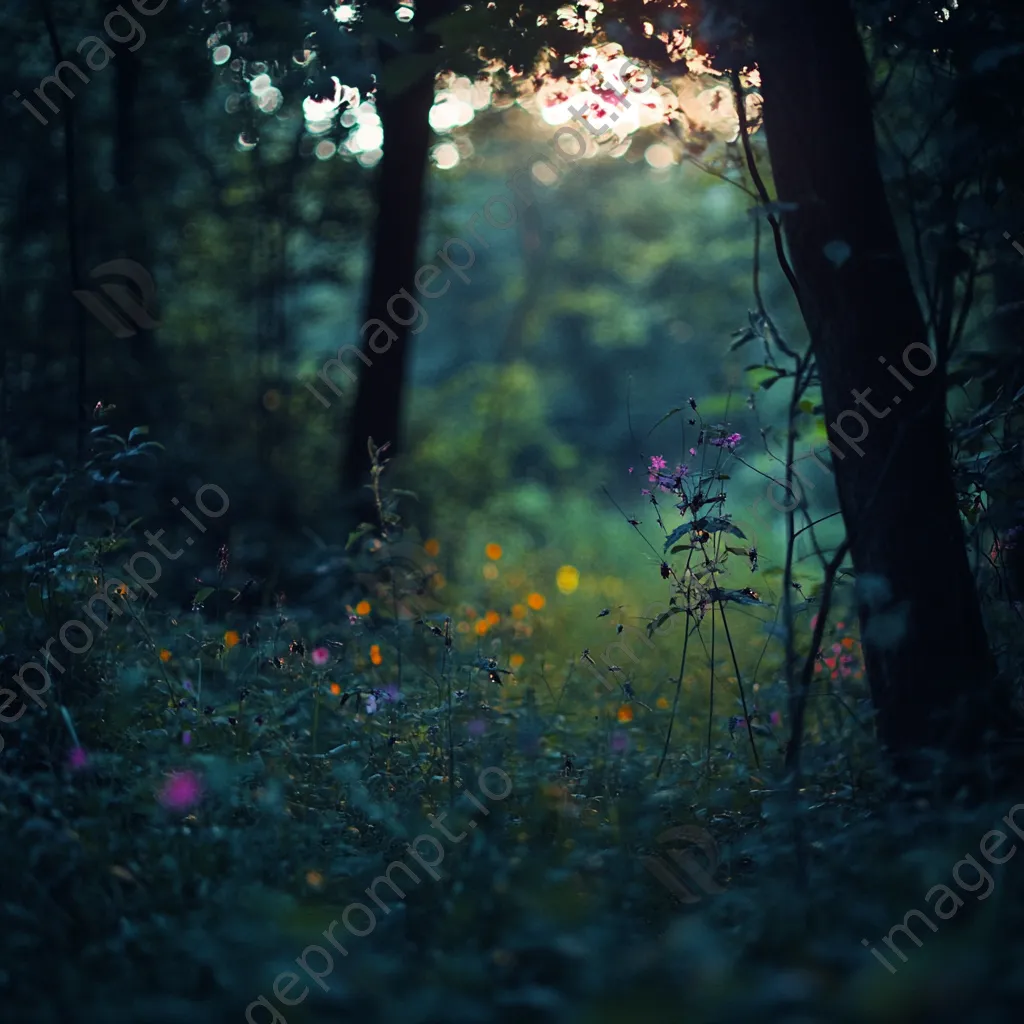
{"points": [[360, 531], [713, 524], [745, 335], [202, 595]]}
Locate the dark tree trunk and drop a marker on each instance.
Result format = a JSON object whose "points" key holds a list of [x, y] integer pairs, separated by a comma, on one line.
{"points": [[400, 196], [933, 678]]}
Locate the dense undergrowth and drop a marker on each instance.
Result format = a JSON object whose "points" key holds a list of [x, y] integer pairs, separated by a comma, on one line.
{"points": [[196, 796]]}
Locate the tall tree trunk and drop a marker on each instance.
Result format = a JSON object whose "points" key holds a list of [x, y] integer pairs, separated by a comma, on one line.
{"points": [[933, 678], [400, 198]]}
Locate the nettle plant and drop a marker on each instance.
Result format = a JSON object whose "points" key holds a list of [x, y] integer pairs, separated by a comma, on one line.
{"points": [[694, 490]]}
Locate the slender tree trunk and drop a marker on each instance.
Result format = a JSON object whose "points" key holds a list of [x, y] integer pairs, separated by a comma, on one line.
{"points": [[933, 678], [400, 199]]}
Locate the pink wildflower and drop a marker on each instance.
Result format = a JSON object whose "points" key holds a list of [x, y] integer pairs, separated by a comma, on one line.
{"points": [[729, 442], [77, 759], [320, 656], [181, 791], [657, 462]]}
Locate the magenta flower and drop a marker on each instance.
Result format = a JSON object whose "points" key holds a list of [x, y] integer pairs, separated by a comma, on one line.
{"points": [[775, 718], [77, 759], [619, 742], [186, 738], [181, 791], [320, 656], [657, 462], [729, 442]]}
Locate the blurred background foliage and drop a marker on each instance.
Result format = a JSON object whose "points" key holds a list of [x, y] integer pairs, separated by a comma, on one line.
{"points": [[537, 395]]}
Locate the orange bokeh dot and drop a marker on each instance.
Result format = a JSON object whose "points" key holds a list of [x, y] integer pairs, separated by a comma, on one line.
{"points": [[493, 617], [165, 655], [536, 601], [516, 661], [625, 713], [335, 689], [482, 626], [662, 702], [493, 552], [432, 547], [519, 611], [363, 608], [470, 614], [231, 638], [375, 655]]}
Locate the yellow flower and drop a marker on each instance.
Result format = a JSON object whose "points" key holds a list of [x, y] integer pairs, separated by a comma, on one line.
{"points": [[493, 552], [363, 608], [165, 655], [375, 655], [490, 572], [516, 661], [625, 713], [567, 579], [432, 547], [662, 702], [231, 638], [314, 879], [535, 601]]}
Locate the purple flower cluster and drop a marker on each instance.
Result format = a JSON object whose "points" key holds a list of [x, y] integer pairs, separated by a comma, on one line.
{"points": [[729, 442], [667, 481]]}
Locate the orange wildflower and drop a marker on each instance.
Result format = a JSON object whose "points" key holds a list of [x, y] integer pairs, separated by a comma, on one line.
{"points": [[625, 713], [231, 638], [375, 655], [536, 601]]}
